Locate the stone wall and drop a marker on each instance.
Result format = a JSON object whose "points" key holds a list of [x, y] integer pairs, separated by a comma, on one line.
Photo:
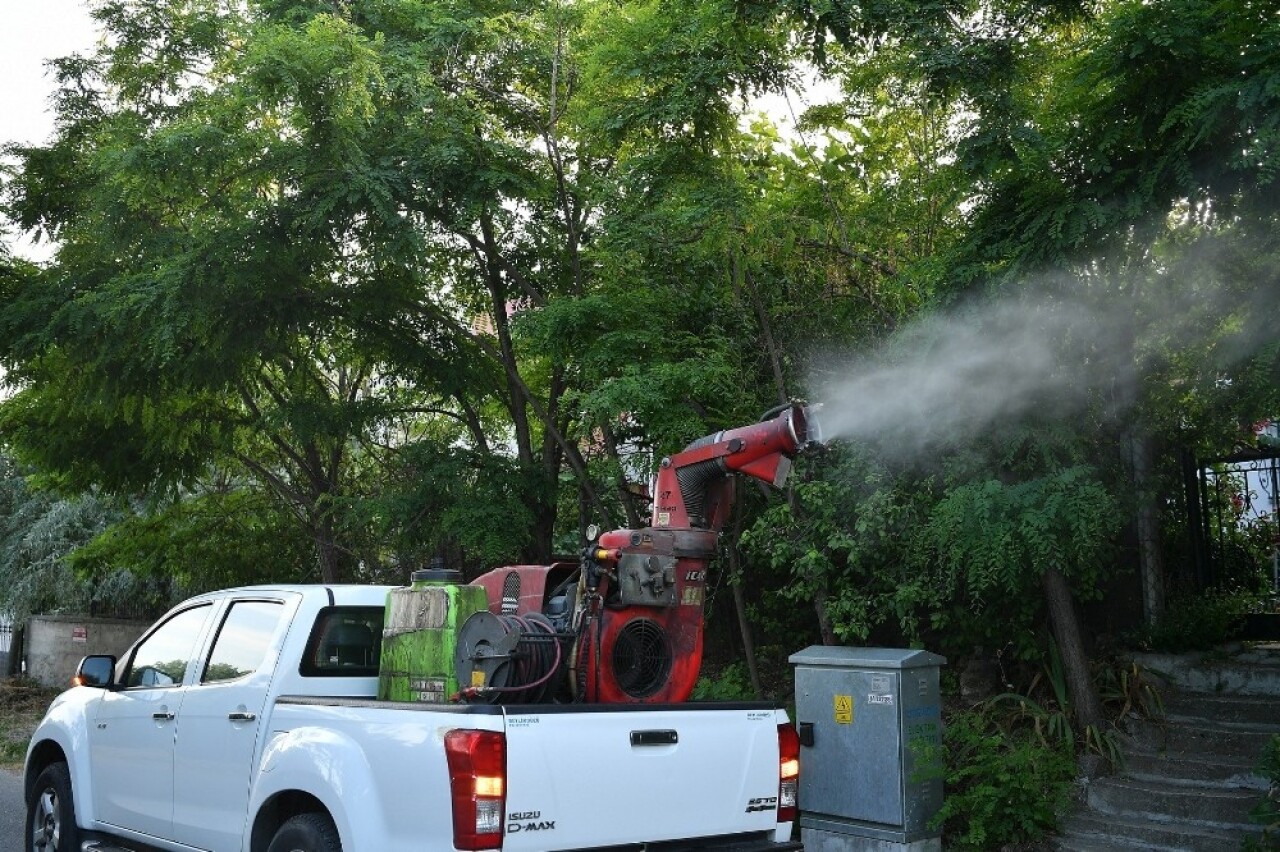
{"points": [[55, 643]]}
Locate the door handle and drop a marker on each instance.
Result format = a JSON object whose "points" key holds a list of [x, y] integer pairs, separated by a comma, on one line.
{"points": [[162, 717], [654, 738], [241, 716]]}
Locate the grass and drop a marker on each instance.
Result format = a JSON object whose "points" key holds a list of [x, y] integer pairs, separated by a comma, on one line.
{"points": [[22, 706]]}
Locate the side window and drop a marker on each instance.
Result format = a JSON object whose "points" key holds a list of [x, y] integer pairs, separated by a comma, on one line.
{"points": [[161, 659], [243, 640], [345, 641]]}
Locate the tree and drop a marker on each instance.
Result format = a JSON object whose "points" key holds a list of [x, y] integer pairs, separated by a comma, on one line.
{"points": [[998, 540], [262, 262], [38, 531]]}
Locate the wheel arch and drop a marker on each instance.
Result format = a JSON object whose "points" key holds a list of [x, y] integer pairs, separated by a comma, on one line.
{"points": [[278, 809], [42, 755]]}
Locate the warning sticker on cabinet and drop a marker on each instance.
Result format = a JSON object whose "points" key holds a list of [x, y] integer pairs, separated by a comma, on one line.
{"points": [[844, 709]]}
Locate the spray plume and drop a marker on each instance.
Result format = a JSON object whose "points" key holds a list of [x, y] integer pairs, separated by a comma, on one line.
{"points": [[1061, 353]]}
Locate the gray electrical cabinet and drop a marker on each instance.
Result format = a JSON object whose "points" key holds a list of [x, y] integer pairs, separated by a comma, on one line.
{"points": [[870, 725]]}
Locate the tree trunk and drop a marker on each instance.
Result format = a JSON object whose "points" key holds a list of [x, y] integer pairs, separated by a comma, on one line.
{"points": [[825, 626], [516, 389], [1147, 524], [620, 480], [17, 651], [1137, 444], [1085, 703], [740, 605], [329, 554]]}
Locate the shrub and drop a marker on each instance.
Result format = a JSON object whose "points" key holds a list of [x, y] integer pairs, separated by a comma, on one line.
{"points": [[732, 684], [1003, 786], [1267, 812], [1196, 623]]}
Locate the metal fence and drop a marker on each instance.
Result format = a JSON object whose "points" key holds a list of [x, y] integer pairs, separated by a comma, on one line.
{"points": [[6, 643], [1235, 522]]}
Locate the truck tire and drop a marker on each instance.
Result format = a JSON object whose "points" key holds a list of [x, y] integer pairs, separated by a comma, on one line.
{"points": [[306, 833], [51, 813]]}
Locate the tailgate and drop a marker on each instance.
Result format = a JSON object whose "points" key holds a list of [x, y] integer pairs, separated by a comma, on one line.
{"points": [[580, 777]]}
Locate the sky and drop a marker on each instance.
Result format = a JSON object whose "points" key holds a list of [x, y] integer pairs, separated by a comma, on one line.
{"points": [[32, 32]]}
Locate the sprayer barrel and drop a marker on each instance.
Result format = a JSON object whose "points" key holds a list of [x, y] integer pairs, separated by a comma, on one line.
{"points": [[786, 433]]}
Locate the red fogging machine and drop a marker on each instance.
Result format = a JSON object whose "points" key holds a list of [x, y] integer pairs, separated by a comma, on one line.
{"points": [[624, 623]]}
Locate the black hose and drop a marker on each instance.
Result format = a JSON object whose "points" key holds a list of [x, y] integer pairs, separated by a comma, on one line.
{"points": [[775, 411], [533, 665]]}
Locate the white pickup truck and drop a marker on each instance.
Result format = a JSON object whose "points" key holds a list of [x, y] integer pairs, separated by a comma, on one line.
{"points": [[246, 720]]}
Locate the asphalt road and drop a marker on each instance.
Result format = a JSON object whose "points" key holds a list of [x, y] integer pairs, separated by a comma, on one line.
{"points": [[12, 811]]}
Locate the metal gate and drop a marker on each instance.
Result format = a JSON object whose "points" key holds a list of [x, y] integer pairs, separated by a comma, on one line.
{"points": [[1232, 505]]}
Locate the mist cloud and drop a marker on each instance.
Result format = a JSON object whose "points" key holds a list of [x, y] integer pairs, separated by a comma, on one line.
{"points": [[1048, 352]]}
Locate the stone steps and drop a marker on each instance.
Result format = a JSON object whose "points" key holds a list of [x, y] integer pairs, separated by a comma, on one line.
{"points": [[1202, 737], [1260, 711], [1188, 781], [1211, 771], [1089, 832], [1241, 672], [1200, 807]]}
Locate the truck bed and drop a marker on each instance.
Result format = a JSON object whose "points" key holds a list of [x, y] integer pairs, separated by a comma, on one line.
{"points": [[606, 777]]}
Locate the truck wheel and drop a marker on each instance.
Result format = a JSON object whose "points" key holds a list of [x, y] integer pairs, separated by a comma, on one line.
{"points": [[306, 833], [51, 813]]}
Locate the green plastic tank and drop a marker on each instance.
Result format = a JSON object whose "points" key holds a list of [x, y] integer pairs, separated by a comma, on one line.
{"points": [[420, 634]]}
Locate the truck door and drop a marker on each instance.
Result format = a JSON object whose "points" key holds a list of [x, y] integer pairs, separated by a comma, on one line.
{"points": [[220, 720], [132, 734]]}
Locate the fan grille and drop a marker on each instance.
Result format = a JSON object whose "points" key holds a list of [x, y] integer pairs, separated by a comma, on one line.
{"points": [[510, 593], [641, 658]]}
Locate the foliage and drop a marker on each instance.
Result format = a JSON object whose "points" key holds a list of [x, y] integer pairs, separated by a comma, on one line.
{"points": [[1195, 622], [202, 542], [1045, 708], [1267, 812], [22, 704], [842, 533], [1004, 785], [434, 500], [731, 684], [39, 530], [987, 544], [1126, 688]]}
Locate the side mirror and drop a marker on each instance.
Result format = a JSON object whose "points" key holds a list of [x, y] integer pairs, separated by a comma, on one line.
{"points": [[95, 670]]}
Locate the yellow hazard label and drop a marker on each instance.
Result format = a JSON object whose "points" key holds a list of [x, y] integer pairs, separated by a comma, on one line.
{"points": [[844, 709], [477, 677]]}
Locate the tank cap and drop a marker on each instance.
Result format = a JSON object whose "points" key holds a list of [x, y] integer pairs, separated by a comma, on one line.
{"points": [[436, 575]]}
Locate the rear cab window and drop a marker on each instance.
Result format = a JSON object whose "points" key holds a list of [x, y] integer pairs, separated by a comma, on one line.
{"points": [[345, 641], [243, 640]]}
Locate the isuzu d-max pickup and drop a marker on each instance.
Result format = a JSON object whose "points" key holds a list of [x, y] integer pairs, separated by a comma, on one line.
{"points": [[248, 720]]}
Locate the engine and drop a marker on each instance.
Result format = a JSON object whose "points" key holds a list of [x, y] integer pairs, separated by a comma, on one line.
{"points": [[624, 623]]}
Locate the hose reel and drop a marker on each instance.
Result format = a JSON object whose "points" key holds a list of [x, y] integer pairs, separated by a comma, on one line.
{"points": [[508, 657]]}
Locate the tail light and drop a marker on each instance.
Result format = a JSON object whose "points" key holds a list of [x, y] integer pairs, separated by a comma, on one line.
{"points": [[477, 787], [788, 772]]}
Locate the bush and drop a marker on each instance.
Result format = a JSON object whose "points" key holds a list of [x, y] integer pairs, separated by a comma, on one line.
{"points": [[1003, 786], [22, 705], [733, 684], [1267, 812], [1196, 623]]}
